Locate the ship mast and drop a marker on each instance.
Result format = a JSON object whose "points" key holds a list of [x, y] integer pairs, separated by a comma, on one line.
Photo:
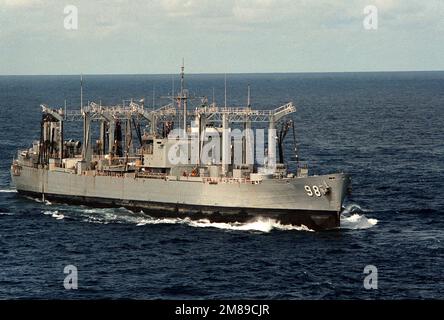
{"points": [[248, 99], [81, 92], [225, 89], [182, 73], [183, 96], [173, 102]]}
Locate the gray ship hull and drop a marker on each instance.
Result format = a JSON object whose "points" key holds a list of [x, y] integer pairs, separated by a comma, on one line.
{"points": [[289, 200]]}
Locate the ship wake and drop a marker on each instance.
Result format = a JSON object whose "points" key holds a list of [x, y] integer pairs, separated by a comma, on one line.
{"points": [[352, 218], [259, 224], [54, 214], [124, 216]]}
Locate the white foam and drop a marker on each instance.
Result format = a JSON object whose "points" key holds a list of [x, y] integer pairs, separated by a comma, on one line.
{"points": [[150, 220], [357, 221], [110, 215], [259, 224], [6, 214], [353, 218], [34, 199], [8, 190], [55, 214], [352, 208]]}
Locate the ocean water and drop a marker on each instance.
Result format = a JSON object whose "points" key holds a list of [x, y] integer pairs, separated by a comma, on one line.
{"points": [[385, 129]]}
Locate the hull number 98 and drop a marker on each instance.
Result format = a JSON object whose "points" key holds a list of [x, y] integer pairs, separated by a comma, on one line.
{"points": [[313, 191]]}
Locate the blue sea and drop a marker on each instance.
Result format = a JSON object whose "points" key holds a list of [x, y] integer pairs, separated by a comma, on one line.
{"points": [[385, 129]]}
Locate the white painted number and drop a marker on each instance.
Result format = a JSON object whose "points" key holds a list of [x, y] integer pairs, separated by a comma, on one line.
{"points": [[309, 192], [316, 191]]}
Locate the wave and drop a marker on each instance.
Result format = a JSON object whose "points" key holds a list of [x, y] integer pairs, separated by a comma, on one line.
{"points": [[357, 221], [353, 208], [39, 200], [107, 215], [260, 224], [352, 218], [55, 214], [8, 190], [34, 199], [122, 215]]}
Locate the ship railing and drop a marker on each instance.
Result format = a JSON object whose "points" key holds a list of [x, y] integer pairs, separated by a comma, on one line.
{"points": [[214, 180], [110, 174], [116, 160], [209, 180], [151, 175], [233, 110]]}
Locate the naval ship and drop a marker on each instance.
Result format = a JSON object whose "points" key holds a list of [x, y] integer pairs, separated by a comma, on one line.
{"points": [[180, 160]]}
